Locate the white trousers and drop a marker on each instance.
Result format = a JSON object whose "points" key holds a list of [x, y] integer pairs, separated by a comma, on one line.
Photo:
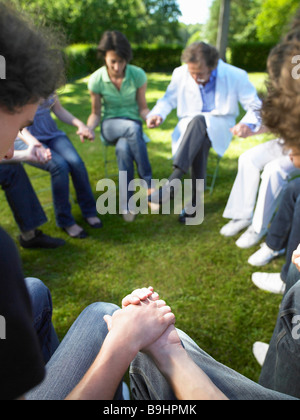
{"points": [[263, 173]]}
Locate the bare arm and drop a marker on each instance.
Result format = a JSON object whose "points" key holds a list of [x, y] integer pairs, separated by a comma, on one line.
{"points": [[32, 154], [142, 103], [125, 339], [187, 379], [95, 116], [36, 152], [66, 117]]}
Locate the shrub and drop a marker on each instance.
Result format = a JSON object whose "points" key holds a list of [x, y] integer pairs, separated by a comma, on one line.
{"points": [[250, 56], [81, 59]]}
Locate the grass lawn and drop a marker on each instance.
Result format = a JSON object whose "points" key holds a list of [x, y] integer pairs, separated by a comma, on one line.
{"points": [[203, 276]]}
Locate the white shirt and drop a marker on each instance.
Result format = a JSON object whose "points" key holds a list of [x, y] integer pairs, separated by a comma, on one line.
{"points": [[232, 87]]}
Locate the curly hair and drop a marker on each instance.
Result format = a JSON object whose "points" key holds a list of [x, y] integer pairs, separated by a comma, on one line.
{"points": [[34, 64], [281, 106]]}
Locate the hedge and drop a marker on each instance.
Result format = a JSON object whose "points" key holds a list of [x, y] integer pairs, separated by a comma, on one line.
{"points": [[250, 56], [81, 59]]}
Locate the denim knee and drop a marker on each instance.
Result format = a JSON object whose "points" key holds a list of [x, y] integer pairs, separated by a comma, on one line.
{"points": [[99, 309], [36, 288], [122, 148], [134, 129]]}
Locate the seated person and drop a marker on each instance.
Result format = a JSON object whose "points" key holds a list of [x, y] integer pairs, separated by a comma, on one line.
{"points": [[118, 99], [21, 197], [253, 203], [280, 359], [206, 92], [171, 366], [283, 237], [65, 161]]}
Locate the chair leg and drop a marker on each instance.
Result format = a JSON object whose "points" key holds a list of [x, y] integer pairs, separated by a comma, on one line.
{"points": [[105, 160], [214, 178]]}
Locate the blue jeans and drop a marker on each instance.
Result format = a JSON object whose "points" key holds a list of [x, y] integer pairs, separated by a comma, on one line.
{"points": [[127, 135], [21, 197], [284, 231], [68, 361], [65, 160], [147, 383], [280, 375], [41, 303], [281, 370]]}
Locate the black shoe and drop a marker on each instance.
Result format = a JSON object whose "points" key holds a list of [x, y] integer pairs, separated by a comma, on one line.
{"points": [[41, 240], [81, 235], [182, 218]]}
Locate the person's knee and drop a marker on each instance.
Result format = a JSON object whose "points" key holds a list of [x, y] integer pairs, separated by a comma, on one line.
{"points": [[122, 148], [58, 167], [36, 287], [248, 158], [134, 129], [198, 121], [98, 309]]}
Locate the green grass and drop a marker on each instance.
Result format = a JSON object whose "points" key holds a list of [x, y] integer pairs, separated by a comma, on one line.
{"points": [[203, 276]]}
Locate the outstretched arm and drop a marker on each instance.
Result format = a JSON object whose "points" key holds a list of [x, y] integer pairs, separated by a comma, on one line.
{"points": [[187, 379], [65, 116], [130, 330]]}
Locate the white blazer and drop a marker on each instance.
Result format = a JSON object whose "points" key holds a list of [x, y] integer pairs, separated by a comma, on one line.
{"points": [[232, 87]]}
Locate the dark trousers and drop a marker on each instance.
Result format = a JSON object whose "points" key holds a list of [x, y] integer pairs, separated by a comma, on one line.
{"points": [[281, 370], [193, 150], [285, 228], [21, 197]]}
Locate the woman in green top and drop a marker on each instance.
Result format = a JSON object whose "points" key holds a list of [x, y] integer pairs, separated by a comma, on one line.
{"points": [[118, 100]]}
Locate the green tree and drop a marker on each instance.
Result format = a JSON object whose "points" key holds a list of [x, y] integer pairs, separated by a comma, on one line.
{"points": [[243, 14], [274, 18], [253, 20], [85, 21]]}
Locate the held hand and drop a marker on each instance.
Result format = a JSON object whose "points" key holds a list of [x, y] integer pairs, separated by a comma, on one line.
{"points": [[140, 324], [139, 295], [154, 121], [242, 130], [296, 258], [85, 132], [38, 154], [166, 345]]}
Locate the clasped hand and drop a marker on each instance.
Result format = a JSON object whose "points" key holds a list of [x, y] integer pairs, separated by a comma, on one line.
{"points": [[145, 320]]}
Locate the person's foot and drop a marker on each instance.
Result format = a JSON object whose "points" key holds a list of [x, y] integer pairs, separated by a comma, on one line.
{"points": [[260, 351], [234, 227], [40, 240], [128, 216], [94, 222], [264, 255], [75, 232], [269, 282], [250, 238]]}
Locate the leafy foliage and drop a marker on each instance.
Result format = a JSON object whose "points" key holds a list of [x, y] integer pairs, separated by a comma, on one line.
{"points": [[85, 21]]}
